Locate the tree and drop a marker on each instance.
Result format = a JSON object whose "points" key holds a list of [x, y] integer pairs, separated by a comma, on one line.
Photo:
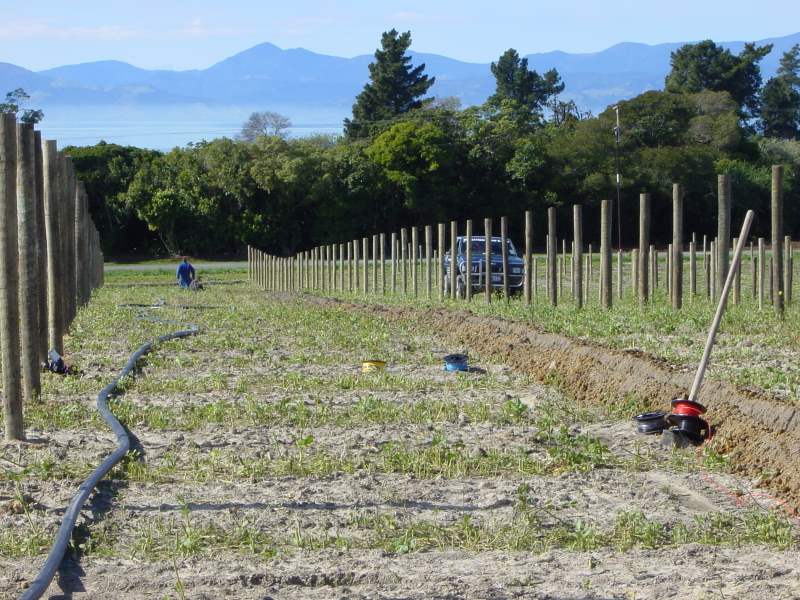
{"points": [[264, 123], [706, 66], [395, 87], [529, 90], [789, 68], [780, 112], [14, 101]]}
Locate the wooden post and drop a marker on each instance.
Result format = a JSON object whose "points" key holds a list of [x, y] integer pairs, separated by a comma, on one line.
{"points": [[528, 252], [428, 261], [676, 274], [9, 281], [714, 252], [706, 268], [365, 244], [753, 275], [620, 279], [635, 271], [644, 247], [453, 258], [762, 259], [468, 257], [41, 249], [440, 275], [653, 270], [487, 246], [394, 263], [577, 254], [787, 270], [382, 242], [777, 239], [605, 254], [737, 279], [504, 254], [692, 271], [28, 261], [552, 266], [414, 260], [535, 278], [375, 263], [723, 230], [403, 261], [356, 268]]}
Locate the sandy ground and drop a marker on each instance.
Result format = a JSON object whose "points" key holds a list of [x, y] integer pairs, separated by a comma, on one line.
{"points": [[203, 484]]}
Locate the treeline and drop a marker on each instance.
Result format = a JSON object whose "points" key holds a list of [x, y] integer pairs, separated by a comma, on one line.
{"points": [[406, 159]]}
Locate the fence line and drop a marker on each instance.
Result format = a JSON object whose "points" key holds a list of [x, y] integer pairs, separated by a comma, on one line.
{"points": [[50, 260], [436, 262]]}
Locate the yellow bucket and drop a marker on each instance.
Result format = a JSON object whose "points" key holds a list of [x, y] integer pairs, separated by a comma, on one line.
{"points": [[373, 366]]}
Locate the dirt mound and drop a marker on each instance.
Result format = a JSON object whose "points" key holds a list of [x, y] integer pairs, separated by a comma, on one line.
{"points": [[762, 436]]}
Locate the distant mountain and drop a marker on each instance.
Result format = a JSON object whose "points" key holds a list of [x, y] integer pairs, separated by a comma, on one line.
{"points": [[267, 76]]}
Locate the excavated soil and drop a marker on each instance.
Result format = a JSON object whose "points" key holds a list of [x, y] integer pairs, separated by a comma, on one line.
{"points": [[761, 436]]}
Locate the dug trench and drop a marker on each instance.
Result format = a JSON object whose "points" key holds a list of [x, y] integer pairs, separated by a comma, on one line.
{"points": [[760, 435]]}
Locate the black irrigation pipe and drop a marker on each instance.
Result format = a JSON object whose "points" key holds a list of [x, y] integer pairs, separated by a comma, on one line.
{"points": [[56, 555]]}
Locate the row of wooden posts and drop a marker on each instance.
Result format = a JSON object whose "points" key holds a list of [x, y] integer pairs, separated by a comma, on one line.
{"points": [[50, 260], [352, 267]]}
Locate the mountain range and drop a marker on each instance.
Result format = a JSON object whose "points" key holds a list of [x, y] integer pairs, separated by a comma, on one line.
{"points": [[268, 76]]}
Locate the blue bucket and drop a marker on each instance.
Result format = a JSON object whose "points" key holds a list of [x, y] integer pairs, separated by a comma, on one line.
{"points": [[456, 362]]}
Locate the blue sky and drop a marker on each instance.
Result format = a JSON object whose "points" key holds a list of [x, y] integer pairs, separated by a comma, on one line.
{"points": [[197, 33]]}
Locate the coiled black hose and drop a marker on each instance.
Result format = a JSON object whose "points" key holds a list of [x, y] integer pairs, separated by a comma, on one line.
{"points": [[54, 558]]}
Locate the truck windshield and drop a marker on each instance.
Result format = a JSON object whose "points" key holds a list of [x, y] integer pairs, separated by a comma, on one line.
{"points": [[479, 247]]}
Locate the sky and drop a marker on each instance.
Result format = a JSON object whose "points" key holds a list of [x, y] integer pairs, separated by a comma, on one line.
{"points": [[188, 34]]}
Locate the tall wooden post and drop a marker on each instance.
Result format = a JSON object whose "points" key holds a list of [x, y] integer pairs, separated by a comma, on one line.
{"points": [[676, 284], [394, 263], [644, 247], [365, 244], [692, 271], [620, 275], [414, 260], [441, 230], [375, 263], [552, 265], [777, 239], [382, 242], [723, 229], [403, 261], [787, 270], [468, 257], [504, 254], [528, 253], [487, 246], [428, 260], [605, 254], [28, 261], [453, 258], [577, 254], [9, 280], [41, 246]]}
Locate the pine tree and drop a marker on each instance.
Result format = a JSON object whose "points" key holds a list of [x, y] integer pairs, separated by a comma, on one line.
{"points": [[789, 68], [780, 98], [395, 87], [529, 90]]}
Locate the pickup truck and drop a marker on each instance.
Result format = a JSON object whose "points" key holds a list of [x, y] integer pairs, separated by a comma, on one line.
{"points": [[476, 272]]}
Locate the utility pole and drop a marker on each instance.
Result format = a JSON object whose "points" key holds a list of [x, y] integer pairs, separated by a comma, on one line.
{"points": [[617, 133]]}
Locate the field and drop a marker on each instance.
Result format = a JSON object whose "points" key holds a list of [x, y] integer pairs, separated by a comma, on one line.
{"points": [[268, 466]]}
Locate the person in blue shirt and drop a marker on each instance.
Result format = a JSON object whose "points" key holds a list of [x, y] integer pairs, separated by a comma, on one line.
{"points": [[185, 273]]}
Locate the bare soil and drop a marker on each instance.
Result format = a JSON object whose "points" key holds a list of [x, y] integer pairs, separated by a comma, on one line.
{"points": [[321, 524]]}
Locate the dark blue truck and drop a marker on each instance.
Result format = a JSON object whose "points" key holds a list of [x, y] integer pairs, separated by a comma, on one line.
{"points": [[476, 272]]}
